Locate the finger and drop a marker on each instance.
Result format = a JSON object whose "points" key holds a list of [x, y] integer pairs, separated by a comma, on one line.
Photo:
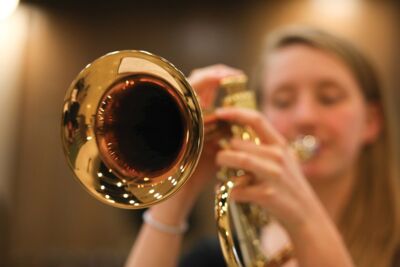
{"points": [[273, 152], [211, 75], [253, 194], [255, 120], [242, 180], [206, 81], [261, 168], [216, 69]]}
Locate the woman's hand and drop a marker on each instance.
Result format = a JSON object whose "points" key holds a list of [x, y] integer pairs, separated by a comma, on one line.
{"points": [[278, 185]]}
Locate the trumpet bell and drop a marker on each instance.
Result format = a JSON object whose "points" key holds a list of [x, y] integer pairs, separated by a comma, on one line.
{"points": [[132, 129]]}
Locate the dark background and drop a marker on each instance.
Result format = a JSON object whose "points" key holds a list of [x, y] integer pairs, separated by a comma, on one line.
{"points": [[46, 218]]}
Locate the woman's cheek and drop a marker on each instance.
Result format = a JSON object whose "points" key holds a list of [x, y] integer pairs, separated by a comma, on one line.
{"points": [[345, 127]]}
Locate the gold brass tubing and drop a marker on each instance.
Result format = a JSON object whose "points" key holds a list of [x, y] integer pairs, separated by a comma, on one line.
{"points": [[222, 216]]}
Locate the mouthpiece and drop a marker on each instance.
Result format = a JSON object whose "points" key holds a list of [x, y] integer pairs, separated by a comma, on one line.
{"points": [[306, 147]]}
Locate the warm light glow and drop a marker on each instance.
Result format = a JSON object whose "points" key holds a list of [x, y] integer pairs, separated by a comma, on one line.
{"points": [[245, 136], [7, 7], [338, 8]]}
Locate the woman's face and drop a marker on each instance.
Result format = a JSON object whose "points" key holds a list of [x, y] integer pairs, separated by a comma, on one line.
{"points": [[310, 91]]}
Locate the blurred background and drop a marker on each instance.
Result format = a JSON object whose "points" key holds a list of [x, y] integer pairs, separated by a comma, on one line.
{"points": [[46, 217]]}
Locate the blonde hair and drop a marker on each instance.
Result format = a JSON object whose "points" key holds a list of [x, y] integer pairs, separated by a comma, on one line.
{"points": [[370, 223]]}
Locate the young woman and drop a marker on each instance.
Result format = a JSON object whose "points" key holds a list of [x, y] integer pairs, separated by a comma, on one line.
{"points": [[341, 207]]}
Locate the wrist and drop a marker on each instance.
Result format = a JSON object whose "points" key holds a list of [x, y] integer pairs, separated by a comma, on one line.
{"points": [[169, 228], [173, 211], [316, 227], [311, 220], [323, 239]]}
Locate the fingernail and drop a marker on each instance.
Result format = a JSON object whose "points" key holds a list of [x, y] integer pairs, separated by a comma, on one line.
{"points": [[220, 111]]}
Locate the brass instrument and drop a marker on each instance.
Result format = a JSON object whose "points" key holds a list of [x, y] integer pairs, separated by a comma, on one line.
{"points": [[133, 131]]}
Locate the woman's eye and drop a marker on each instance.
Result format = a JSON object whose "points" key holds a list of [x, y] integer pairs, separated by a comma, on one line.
{"points": [[282, 99], [329, 99], [331, 95]]}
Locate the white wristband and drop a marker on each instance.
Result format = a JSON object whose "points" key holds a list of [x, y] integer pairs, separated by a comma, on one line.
{"points": [[170, 229]]}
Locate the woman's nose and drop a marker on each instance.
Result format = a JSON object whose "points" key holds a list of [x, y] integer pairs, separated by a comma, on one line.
{"points": [[306, 113]]}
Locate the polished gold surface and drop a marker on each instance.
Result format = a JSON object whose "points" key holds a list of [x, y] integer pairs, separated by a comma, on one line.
{"points": [[102, 163], [245, 221], [234, 219], [132, 133]]}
